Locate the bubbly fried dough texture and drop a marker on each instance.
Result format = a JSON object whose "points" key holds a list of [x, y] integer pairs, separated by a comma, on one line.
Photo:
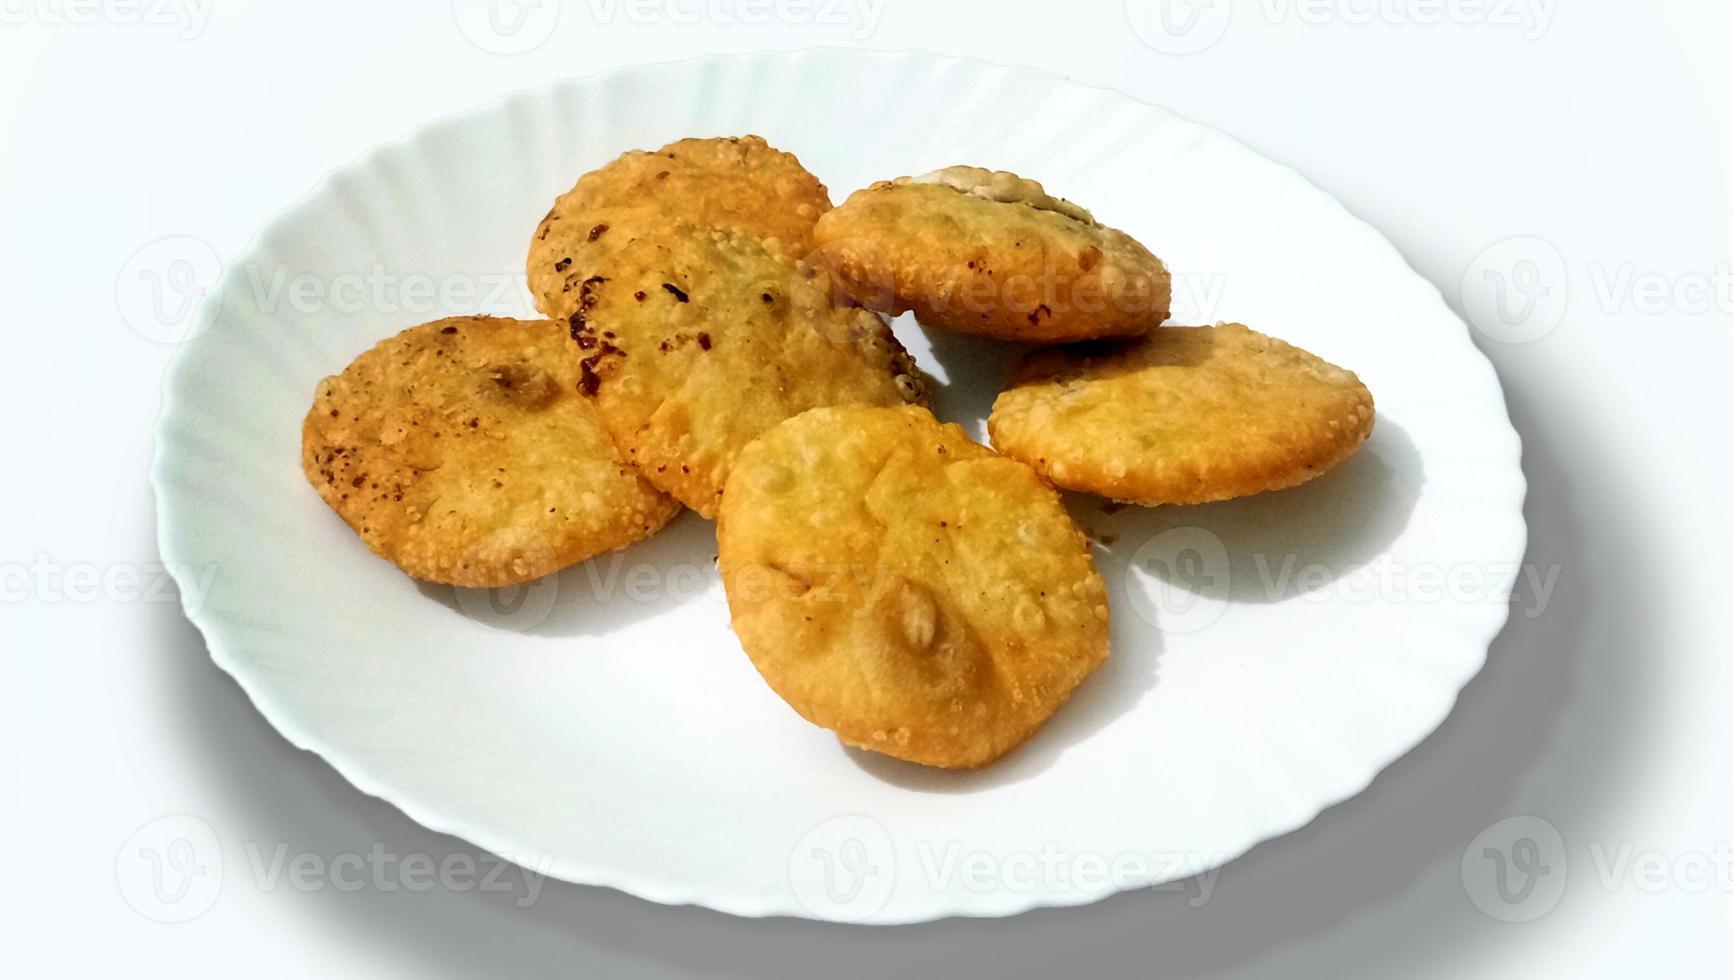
{"points": [[461, 451], [739, 183], [911, 590], [695, 343], [1185, 415], [991, 253]]}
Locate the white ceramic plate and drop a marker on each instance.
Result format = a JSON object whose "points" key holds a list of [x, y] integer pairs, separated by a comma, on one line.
{"points": [[1269, 657]]}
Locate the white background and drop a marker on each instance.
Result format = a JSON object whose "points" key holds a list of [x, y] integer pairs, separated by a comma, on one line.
{"points": [[1601, 132]]}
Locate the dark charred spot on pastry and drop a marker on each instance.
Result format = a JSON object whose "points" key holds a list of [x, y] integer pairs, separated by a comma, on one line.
{"points": [[586, 340], [1036, 314], [767, 297], [448, 330], [1088, 258], [588, 379], [522, 384], [598, 231], [639, 295], [678, 293], [704, 341], [563, 264], [663, 175], [579, 320], [608, 334]]}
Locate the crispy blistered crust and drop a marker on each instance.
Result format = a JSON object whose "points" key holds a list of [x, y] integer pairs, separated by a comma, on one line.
{"points": [[907, 588], [461, 451], [1185, 415], [696, 342], [1013, 269], [739, 183]]}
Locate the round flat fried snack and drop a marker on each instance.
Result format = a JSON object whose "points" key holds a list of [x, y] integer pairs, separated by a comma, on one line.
{"points": [[1185, 415], [694, 344], [461, 451], [739, 183], [911, 590], [984, 252]]}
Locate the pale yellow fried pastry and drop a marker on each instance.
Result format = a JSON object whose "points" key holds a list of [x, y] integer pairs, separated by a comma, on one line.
{"points": [[990, 253], [911, 590], [739, 183], [461, 451], [1185, 415], [695, 343]]}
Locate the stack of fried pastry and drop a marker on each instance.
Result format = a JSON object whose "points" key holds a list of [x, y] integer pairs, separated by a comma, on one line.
{"points": [[716, 338]]}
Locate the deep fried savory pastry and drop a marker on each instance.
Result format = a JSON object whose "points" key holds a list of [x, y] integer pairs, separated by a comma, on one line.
{"points": [[739, 183], [1185, 415], [911, 590], [461, 451], [991, 253], [695, 343]]}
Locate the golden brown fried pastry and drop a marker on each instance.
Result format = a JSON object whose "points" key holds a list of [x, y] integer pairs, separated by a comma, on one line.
{"points": [[911, 590], [694, 343], [461, 451], [1184, 415], [991, 253], [739, 183]]}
